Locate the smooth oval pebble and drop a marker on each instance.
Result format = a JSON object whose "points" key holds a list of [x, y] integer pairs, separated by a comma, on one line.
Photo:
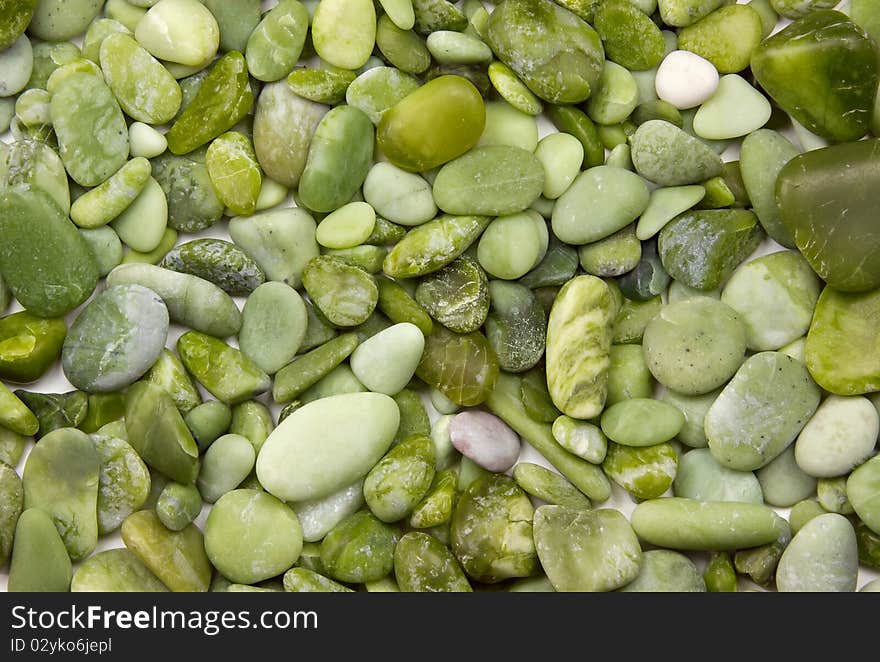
{"points": [[348, 226], [784, 483], [273, 326], [115, 339], [701, 477], [513, 245], [665, 571], [304, 459], [40, 561], [822, 556], [664, 205], [685, 79], [838, 437], [318, 516], [485, 439], [667, 156], [142, 224], [399, 196], [641, 422], [581, 438], [863, 492], [182, 31], [225, 464], [736, 109], [16, 65], [344, 32], [115, 570], [562, 155], [386, 362]]}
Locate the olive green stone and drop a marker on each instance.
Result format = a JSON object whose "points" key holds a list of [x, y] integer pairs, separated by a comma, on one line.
{"points": [[226, 463], [492, 530], [345, 294], [557, 267], [39, 559], [402, 48], [53, 410], [234, 172], [424, 564], [586, 550], [457, 296], [284, 124], [192, 203], [251, 536], [11, 501], [630, 37], [15, 15], [321, 85], [433, 245], [273, 47], [825, 199], [743, 434], [841, 348], [399, 481], [208, 421], [294, 378], [61, 478], [436, 506], [29, 345], [223, 370], [236, 21], [863, 492], [169, 374], [701, 248], [117, 571], [645, 472], [462, 367], [158, 433], [302, 580], [432, 125], [613, 255], [12, 446], [177, 558], [178, 505], [433, 15], [726, 37], [665, 571], [217, 261], [516, 326], [680, 13], [224, 98], [103, 409], [842, 58], [123, 482], [561, 65], [359, 549], [667, 156]]}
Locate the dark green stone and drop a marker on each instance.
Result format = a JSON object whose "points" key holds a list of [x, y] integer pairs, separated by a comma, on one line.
{"points": [[56, 410], [220, 262], [457, 296], [462, 367], [29, 346]]}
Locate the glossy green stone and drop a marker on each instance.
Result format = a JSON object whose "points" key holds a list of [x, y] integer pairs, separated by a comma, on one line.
{"points": [[297, 376], [169, 374], [15, 15], [641, 422], [629, 36], [645, 472], [48, 56], [321, 85], [192, 202], [399, 481], [402, 48], [178, 505], [666, 155], [346, 295], [117, 571], [53, 410], [224, 98], [837, 101], [103, 409], [492, 530], [457, 296], [35, 164], [680, 13], [29, 345], [424, 564], [344, 32], [433, 245], [217, 261], [436, 506], [223, 370], [303, 580], [181, 31], [516, 326], [586, 550], [11, 501], [158, 433], [340, 155], [549, 486], [275, 44], [40, 561], [123, 482], [436, 123], [557, 55], [665, 571], [462, 367], [359, 549], [826, 200], [841, 348], [726, 37], [177, 558], [702, 248], [61, 478], [234, 172], [433, 15]]}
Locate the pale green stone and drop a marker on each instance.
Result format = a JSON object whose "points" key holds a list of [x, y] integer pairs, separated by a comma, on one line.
{"points": [[641, 422], [344, 32], [115, 570], [863, 492], [399, 196], [58, 20], [513, 245], [694, 408], [784, 483], [276, 43], [106, 247], [667, 156], [318, 516], [16, 65], [107, 201], [513, 90], [665, 571], [123, 484], [142, 224], [701, 477], [665, 204], [305, 459], [839, 437], [39, 561], [681, 13], [736, 109], [505, 125], [449, 47], [581, 438], [226, 463], [234, 172], [822, 556], [347, 227], [616, 96], [562, 155], [182, 31], [274, 321], [762, 156], [386, 362], [35, 164]]}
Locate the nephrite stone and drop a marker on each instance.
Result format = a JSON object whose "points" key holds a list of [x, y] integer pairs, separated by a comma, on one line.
{"points": [[827, 198], [462, 367], [29, 345], [835, 99]]}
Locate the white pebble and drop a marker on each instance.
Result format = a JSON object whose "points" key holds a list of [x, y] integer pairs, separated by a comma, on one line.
{"points": [[686, 80], [145, 140]]}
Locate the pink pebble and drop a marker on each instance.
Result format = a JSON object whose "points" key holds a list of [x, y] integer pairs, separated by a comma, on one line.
{"points": [[485, 439]]}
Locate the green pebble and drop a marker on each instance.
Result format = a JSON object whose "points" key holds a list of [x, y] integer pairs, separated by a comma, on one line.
{"points": [[178, 506], [424, 564], [276, 43], [192, 203], [123, 484], [10, 510], [302, 580], [53, 410], [273, 327], [463, 367], [457, 296], [318, 516], [105, 246], [182, 31], [822, 556], [293, 379], [433, 245], [516, 326], [345, 294], [558, 266], [513, 245], [12, 446], [359, 549], [208, 421], [701, 477], [629, 36], [39, 558], [783, 482], [726, 37], [436, 506], [645, 472], [115, 570], [615, 97], [169, 374], [735, 109], [234, 172], [378, 89], [641, 422], [665, 571], [562, 155], [396, 484], [225, 464], [385, 363], [344, 33], [223, 370], [580, 438], [667, 156], [347, 227], [217, 261], [549, 486], [235, 20], [614, 255], [326, 86], [142, 224], [505, 125], [862, 489], [29, 345]]}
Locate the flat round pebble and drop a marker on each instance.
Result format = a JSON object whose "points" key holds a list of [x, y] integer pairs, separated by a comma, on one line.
{"points": [[485, 439], [348, 226], [273, 326], [822, 557], [386, 362], [16, 64], [701, 477], [839, 437]]}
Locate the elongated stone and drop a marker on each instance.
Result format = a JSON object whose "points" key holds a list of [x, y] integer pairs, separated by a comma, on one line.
{"points": [[742, 434], [837, 104], [10, 508], [840, 351], [102, 204], [177, 558], [61, 478], [123, 481], [115, 339], [318, 516], [40, 561], [825, 199], [234, 172], [217, 261], [304, 459], [223, 370], [822, 556], [666, 155], [433, 245], [462, 367], [44, 261], [863, 493], [297, 376], [29, 345], [117, 571], [578, 345], [273, 47], [158, 433]]}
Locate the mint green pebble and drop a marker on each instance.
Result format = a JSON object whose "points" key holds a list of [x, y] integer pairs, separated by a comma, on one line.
{"points": [[91, 130], [319, 516], [513, 245], [822, 557], [449, 47], [181, 31], [400, 12], [621, 157], [399, 196], [386, 362], [16, 65], [505, 125], [694, 408], [513, 90], [35, 164], [224, 465], [615, 97], [58, 20], [667, 156], [562, 155], [347, 227], [862, 490], [236, 20], [701, 477], [106, 247], [276, 44], [142, 224], [102, 204], [665, 204], [144, 88], [783, 482], [7, 113], [580, 438], [76, 66], [271, 195], [40, 561], [169, 238], [641, 422], [273, 326], [839, 437], [736, 109], [600, 202], [344, 32], [124, 12], [379, 88]]}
